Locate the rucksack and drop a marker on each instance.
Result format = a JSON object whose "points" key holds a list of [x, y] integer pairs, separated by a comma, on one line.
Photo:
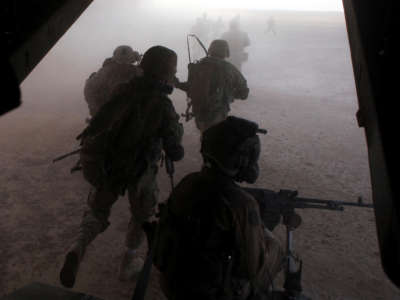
{"points": [[206, 85], [115, 141], [100, 85]]}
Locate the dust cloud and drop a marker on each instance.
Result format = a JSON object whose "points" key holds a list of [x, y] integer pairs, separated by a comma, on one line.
{"points": [[301, 90]]}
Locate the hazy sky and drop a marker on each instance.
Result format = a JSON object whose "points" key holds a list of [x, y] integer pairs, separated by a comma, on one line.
{"points": [[310, 5]]}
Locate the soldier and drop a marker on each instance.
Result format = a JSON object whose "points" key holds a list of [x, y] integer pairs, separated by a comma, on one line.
{"points": [[211, 241], [218, 27], [119, 68], [271, 25], [120, 151], [238, 41], [213, 83]]}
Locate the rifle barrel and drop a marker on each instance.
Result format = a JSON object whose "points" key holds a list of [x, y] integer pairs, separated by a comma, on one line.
{"points": [[332, 203], [299, 204], [66, 155]]}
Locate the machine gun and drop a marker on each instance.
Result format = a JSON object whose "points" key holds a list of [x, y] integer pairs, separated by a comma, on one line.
{"points": [[274, 205], [282, 204]]}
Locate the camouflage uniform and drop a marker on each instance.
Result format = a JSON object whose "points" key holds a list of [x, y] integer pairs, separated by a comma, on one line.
{"points": [[120, 151], [99, 86], [212, 242], [134, 155], [227, 84], [238, 41]]}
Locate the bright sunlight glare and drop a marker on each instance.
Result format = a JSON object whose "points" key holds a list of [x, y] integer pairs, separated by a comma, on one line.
{"points": [[303, 5]]}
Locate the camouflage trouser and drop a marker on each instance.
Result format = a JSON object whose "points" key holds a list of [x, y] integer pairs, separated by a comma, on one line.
{"points": [[271, 265], [274, 261], [204, 123], [142, 196]]}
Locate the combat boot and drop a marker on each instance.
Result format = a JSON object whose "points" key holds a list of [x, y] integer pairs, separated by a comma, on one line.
{"points": [[131, 265], [91, 226], [71, 264]]}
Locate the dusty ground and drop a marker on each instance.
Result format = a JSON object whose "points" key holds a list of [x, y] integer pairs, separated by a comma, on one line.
{"points": [[303, 94]]}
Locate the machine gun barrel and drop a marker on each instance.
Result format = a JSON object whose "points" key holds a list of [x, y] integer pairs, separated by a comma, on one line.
{"points": [[290, 197], [329, 204], [273, 204]]}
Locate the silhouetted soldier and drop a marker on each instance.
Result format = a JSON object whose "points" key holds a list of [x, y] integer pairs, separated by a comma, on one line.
{"points": [[212, 244], [117, 69], [120, 151], [271, 26], [218, 26], [213, 84], [238, 41]]}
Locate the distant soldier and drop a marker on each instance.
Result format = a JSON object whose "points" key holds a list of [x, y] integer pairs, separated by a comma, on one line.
{"points": [[271, 26], [119, 68], [212, 86], [238, 41], [212, 244], [120, 152], [218, 27]]}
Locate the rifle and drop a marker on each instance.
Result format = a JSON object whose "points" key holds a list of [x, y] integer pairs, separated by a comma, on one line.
{"points": [[61, 157], [273, 206], [188, 115], [170, 168], [199, 41]]}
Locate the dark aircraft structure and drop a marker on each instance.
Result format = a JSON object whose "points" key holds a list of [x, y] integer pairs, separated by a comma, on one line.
{"points": [[30, 28]]}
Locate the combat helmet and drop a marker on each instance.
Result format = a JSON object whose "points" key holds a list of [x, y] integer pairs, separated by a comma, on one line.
{"points": [[125, 55], [233, 146], [234, 24], [219, 48], [159, 63]]}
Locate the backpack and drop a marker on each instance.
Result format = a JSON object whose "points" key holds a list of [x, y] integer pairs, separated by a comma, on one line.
{"points": [[115, 141], [100, 85], [206, 86]]}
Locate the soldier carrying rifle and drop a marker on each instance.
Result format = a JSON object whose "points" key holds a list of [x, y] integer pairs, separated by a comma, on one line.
{"points": [[212, 85]]}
